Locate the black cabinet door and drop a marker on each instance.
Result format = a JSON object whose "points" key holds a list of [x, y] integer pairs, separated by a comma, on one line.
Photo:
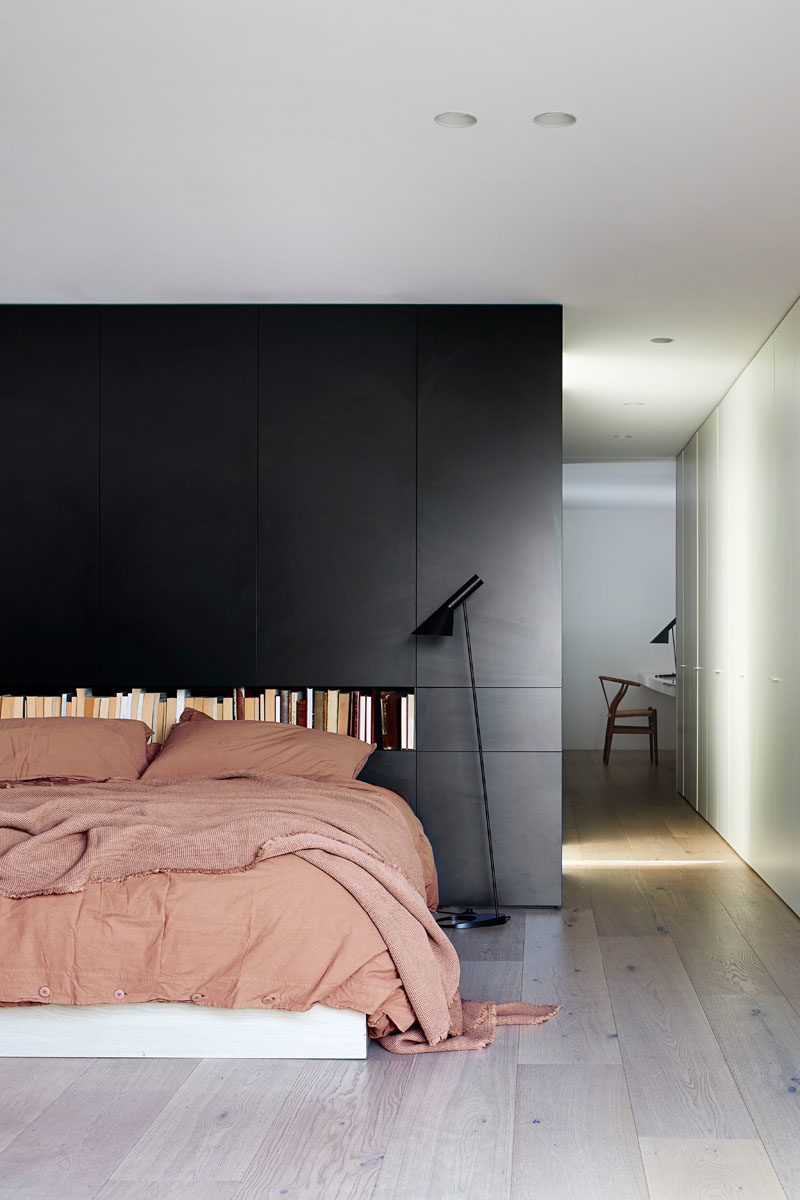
{"points": [[525, 809], [48, 497], [490, 490], [337, 494], [178, 517]]}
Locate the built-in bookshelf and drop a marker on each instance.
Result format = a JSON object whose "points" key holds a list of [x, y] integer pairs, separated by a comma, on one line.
{"points": [[385, 716]]}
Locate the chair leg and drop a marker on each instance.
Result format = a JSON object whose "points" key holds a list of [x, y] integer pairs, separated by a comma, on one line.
{"points": [[607, 745], [654, 736]]}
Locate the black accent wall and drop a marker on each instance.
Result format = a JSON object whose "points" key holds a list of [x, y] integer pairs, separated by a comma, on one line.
{"points": [[178, 488], [49, 487], [208, 496], [337, 494]]}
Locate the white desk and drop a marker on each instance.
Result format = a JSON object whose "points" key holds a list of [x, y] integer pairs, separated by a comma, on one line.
{"points": [[665, 686]]}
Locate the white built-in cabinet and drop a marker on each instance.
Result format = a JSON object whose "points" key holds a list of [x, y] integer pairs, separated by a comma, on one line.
{"points": [[738, 514]]}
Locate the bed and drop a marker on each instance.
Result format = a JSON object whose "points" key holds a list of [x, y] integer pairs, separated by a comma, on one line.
{"points": [[243, 895]]}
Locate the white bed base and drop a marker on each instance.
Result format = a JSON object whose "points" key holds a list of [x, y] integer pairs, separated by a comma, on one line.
{"points": [[179, 1031]]}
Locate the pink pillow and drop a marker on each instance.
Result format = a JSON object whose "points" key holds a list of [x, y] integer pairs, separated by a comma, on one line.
{"points": [[72, 748], [199, 745]]}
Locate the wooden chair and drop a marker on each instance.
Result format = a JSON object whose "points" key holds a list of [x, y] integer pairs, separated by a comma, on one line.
{"points": [[614, 712]]}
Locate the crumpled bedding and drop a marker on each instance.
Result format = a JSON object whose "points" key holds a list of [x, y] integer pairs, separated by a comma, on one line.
{"points": [[273, 930]]}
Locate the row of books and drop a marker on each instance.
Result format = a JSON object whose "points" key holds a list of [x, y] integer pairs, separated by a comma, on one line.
{"points": [[386, 716]]}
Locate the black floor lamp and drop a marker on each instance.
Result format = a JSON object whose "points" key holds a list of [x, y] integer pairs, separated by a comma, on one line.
{"points": [[440, 624]]}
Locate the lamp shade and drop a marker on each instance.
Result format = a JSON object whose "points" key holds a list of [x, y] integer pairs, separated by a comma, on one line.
{"points": [[663, 635], [440, 622]]}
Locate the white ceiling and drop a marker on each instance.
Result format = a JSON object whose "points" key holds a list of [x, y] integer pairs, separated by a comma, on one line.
{"points": [[238, 150]]}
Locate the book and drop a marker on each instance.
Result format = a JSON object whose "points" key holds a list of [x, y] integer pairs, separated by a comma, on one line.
{"points": [[404, 722], [269, 704], [319, 709], [180, 702], [343, 722], [309, 708], [302, 712], [332, 711], [227, 708], [389, 710], [412, 712], [150, 710], [355, 710], [172, 708], [251, 708], [284, 706]]}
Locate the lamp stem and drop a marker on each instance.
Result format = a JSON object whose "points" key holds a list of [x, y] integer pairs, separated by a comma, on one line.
{"points": [[674, 652], [480, 756]]}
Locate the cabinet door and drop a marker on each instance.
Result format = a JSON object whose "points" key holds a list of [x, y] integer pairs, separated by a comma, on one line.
{"points": [[741, 446], [524, 791], [337, 495], [48, 496], [776, 603], [687, 663], [786, 593], [679, 626], [178, 487], [490, 490]]}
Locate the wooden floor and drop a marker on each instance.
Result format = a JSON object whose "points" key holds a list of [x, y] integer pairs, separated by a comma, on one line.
{"points": [[672, 1072]]}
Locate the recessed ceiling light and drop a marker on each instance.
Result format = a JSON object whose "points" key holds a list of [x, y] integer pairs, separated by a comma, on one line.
{"points": [[455, 120], [633, 403], [554, 120], [622, 436], [662, 341]]}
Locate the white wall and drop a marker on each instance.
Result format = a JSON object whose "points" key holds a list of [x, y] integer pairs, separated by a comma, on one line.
{"points": [[739, 576], [619, 590]]}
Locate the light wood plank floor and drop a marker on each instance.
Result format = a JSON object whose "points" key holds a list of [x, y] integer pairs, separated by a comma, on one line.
{"points": [[672, 1072]]}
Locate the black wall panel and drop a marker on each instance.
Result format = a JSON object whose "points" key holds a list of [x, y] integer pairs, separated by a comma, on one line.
{"points": [[337, 504], [490, 490], [179, 390], [396, 769], [511, 719], [525, 805], [48, 496]]}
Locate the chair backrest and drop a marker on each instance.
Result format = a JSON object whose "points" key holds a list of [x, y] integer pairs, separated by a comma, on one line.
{"points": [[613, 704]]}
